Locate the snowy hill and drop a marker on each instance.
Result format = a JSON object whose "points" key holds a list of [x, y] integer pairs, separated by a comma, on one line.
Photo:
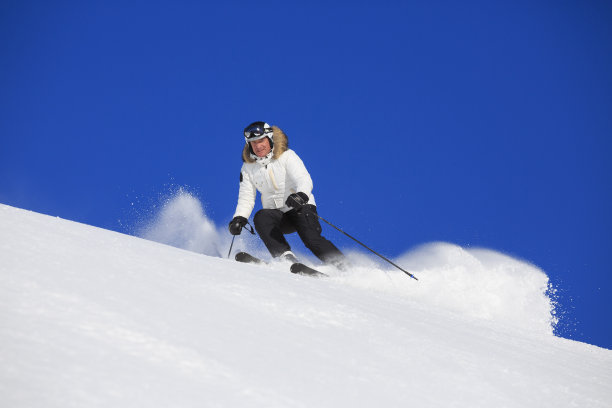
{"points": [[94, 318]]}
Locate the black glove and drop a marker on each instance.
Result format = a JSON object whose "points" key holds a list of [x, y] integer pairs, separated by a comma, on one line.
{"points": [[297, 200], [236, 224]]}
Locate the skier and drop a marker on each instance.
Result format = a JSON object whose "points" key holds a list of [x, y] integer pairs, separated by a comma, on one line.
{"points": [[276, 171]]}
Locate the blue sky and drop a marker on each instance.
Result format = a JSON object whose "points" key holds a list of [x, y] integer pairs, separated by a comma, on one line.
{"points": [[484, 124]]}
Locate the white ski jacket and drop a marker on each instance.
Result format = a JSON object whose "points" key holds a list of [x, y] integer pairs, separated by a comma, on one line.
{"points": [[284, 175]]}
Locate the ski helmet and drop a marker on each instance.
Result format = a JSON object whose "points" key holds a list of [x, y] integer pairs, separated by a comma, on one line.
{"points": [[258, 130]]}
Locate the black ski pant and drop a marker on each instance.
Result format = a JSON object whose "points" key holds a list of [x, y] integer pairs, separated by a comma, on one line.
{"points": [[272, 225]]}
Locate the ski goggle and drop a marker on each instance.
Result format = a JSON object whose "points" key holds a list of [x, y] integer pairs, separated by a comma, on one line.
{"points": [[257, 131]]}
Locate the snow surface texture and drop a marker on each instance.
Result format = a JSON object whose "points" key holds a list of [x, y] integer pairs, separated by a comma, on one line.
{"points": [[477, 283], [94, 318]]}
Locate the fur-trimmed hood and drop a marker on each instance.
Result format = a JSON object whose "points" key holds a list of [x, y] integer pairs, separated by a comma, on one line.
{"points": [[281, 145]]}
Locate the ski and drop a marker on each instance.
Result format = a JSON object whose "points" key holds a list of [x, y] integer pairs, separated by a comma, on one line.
{"points": [[302, 269], [248, 258], [297, 267]]}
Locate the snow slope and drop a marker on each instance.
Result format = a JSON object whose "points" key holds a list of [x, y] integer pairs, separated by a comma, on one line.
{"points": [[90, 317]]}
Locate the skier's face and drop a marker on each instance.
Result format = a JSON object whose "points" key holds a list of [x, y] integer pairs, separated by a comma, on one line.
{"points": [[261, 147]]}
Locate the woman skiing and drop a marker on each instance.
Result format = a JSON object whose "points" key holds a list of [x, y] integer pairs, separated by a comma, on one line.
{"points": [[276, 171]]}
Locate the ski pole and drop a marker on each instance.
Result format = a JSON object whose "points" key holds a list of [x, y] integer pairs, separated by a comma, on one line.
{"points": [[366, 247], [230, 251], [252, 231]]}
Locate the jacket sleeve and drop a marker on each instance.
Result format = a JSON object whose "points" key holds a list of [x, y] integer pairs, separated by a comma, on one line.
{"points": [[246, 195], [298, 173]]}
